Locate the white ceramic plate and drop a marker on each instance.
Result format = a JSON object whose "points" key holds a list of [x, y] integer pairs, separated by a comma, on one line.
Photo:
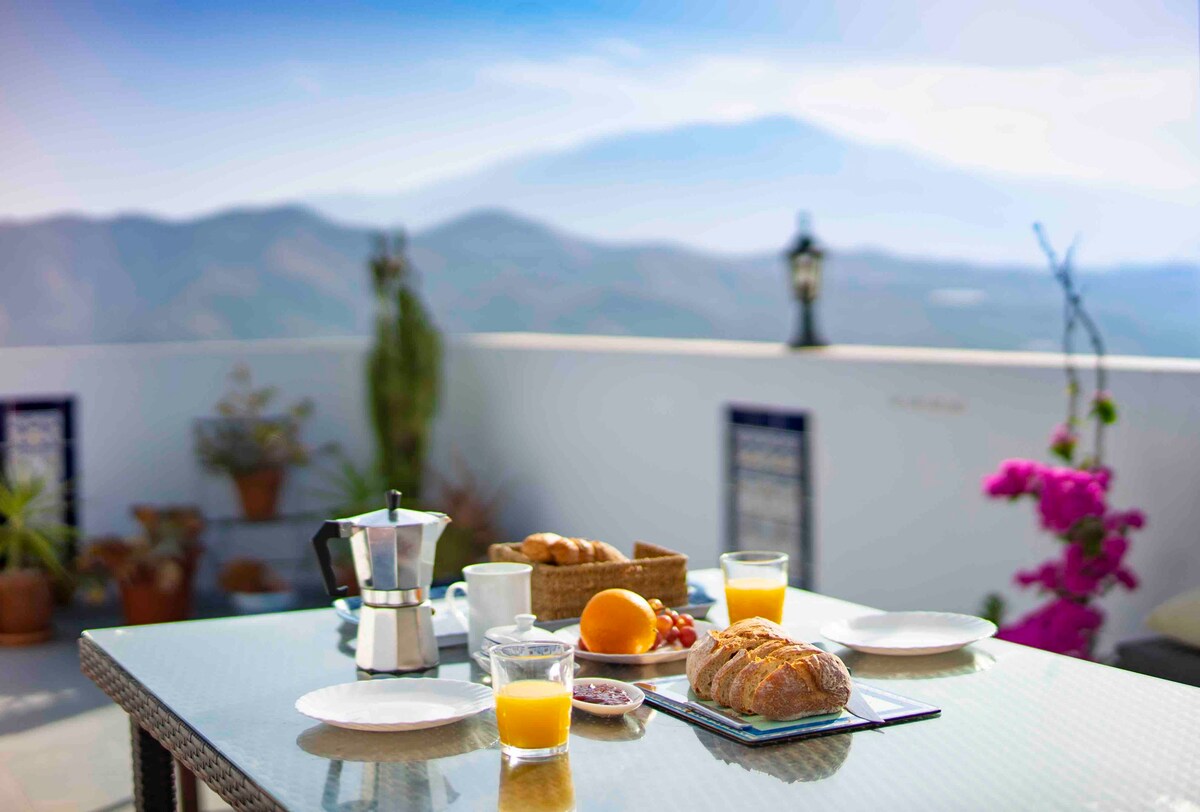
{"points": [[907, 634], [570, 634], [396, 704], [609, 710]]}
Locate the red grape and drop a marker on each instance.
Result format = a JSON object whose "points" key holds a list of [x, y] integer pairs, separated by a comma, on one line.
{"points": [[658, 640], [672, 634], [687, 636], [662, 623], [685, 620]]}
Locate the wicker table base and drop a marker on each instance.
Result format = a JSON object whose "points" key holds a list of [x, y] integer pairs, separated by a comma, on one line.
{"points": [[160, 738]]}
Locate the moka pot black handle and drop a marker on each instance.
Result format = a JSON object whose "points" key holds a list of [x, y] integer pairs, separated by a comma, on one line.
{"points": [[328, 531]]}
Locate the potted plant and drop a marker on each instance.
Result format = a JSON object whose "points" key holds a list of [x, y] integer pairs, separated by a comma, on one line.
{"points": [[30, 544], [252, 446], [403, 370], [154, 571], [254, 588]]}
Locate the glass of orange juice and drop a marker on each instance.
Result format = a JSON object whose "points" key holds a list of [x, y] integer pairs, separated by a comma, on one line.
{"points": [[755, 584], [533, 684]]}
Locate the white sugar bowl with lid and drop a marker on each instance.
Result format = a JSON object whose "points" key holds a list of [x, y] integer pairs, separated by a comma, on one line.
{"points": [[523, 631]]}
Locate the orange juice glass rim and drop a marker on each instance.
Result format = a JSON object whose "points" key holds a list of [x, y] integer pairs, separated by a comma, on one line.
{"points": [[532, 651], [752, 557]]}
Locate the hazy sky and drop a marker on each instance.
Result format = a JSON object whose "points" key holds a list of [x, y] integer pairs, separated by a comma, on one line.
{"points": [[183, 108]]}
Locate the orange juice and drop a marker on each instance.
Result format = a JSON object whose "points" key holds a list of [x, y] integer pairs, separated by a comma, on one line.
{"points": [[533, 713], [536, 786], [754, 597]]}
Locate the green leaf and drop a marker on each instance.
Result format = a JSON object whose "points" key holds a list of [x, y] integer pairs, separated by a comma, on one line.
{"points": [[993, 608], [1105, 411]]}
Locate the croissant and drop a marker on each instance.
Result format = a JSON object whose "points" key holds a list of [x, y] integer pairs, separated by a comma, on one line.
{"points": [[536, 547], [551, 548], [754, 667]]}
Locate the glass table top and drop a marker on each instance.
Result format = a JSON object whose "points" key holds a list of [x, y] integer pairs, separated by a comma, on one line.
{"points": [[1020, 729]]}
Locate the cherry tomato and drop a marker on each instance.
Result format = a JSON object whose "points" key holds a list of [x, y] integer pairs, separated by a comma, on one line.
{"points": [[685, 619], [687, 636]]}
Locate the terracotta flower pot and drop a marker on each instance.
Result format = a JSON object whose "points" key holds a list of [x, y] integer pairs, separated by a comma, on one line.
{"points": [[161, 600], [259, 493], [26, 607], [145, 602]]}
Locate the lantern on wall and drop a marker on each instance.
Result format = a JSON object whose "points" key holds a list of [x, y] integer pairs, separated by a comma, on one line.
{"points": [[805, 260]]}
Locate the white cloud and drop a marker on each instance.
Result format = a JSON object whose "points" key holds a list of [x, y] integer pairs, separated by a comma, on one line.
{"points": [[1118, 123], [621, 49]]}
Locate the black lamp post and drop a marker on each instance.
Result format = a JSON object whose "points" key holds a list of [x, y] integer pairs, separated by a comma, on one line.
{"points": [[804, 265]]}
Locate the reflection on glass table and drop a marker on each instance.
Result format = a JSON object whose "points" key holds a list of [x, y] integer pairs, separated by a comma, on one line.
{"points": [[218, 695]]}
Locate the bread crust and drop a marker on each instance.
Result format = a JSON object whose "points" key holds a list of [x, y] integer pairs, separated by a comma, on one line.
{"points": [[587, 551], [741, 692], [754, 667], [536, 547], [607, 552], [565, 552]]}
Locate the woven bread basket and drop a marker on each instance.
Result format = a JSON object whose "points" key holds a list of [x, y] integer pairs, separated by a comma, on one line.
{"points": [[560, 592]]}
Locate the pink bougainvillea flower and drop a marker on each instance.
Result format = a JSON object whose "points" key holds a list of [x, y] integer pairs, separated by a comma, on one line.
{"points": [[1016, 477], [1063, 626], [1068, 495], [1126, 578], [1047, 576], [1113, 550], [1119, 521]]}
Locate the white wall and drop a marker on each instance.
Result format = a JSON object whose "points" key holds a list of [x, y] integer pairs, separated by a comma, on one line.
{"points": [[622, 439], [135, 407]]}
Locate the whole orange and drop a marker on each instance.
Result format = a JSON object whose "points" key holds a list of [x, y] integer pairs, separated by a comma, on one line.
{"points": [[617, 621]]}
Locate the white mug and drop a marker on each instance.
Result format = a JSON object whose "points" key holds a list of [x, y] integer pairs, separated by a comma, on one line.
{"points": [[496, 593]]}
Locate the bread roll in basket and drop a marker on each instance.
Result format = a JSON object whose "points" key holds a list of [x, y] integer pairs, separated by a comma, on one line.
{"points": [[754, 667]]}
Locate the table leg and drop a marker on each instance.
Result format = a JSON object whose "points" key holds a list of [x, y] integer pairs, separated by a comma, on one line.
{"points": [[153, 773]]}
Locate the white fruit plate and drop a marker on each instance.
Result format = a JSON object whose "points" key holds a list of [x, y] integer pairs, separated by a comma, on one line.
{"points": [[396, 704], [666, 654], [908, 634]]}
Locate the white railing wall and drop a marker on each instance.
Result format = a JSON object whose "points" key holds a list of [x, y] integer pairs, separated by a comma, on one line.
{"points": [[623, 438]]}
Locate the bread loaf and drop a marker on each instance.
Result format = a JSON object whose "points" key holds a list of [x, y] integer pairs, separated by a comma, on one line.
{"points": [[754, 667]]}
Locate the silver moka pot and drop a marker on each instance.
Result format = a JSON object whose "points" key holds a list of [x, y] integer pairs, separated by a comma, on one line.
{"points": [[393, 553]]}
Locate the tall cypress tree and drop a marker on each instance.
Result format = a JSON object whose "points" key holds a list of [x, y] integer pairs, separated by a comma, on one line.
{"points": [[404, 369]]}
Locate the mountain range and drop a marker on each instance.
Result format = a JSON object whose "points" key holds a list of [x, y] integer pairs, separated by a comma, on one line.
{"points": [[736, 188], [291, 272]]}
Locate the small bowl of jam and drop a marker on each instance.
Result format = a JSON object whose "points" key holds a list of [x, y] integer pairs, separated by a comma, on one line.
{"points": [[606, 697]]}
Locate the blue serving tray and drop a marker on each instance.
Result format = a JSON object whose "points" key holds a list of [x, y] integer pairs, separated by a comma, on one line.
{"points": [[674, 696]]}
